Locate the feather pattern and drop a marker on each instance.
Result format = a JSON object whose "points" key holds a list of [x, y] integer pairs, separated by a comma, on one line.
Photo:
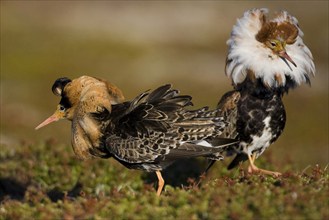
{"points": [[155, 129], [256, 121]]}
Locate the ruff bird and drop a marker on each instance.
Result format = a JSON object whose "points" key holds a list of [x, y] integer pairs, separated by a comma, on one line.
{"points": [[266, 58], [148, 133]]}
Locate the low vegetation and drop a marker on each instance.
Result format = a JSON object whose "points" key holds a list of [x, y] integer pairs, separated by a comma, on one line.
{"points": [[46, 181]]}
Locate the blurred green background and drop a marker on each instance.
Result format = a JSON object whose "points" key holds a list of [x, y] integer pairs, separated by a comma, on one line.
{"points": [[139, 46]]}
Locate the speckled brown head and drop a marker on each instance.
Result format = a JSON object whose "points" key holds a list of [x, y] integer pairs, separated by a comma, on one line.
{"points": [[276, 36], [81, 98], [82, 95]]}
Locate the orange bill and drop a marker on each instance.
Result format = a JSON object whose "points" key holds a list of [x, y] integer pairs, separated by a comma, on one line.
{"points": [[283, 54], [55, 117]]}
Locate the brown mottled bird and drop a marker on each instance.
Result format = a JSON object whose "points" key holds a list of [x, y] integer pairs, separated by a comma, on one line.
{"points": [[149, 133], [266, 58], [80, 97]]}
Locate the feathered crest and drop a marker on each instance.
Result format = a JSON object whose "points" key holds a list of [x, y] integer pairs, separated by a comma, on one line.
{"points": [[248, 54]]}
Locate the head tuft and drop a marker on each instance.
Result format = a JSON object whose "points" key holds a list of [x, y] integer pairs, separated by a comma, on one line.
{"points": [[286, 31], [59, 85]]}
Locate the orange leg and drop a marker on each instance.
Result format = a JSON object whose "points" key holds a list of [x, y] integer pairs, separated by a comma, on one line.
{"points": [[254, 169], [160, 183]]}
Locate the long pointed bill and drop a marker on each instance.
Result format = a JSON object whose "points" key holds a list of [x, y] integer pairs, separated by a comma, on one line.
{"points": [[283, 54], [53, 118]]}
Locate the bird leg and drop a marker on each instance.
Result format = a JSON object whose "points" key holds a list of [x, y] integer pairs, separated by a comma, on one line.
{"points": [[160, 182], [254, 169]]}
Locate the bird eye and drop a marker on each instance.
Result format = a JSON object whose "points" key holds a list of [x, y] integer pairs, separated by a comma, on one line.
{"points": [[273, 44], [61, 108]]}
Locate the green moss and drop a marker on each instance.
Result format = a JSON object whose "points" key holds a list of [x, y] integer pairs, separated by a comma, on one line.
{"points": [[53, 184]]}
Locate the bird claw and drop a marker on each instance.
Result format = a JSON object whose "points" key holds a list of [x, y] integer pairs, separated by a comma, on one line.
{"points": [[254, 169]]}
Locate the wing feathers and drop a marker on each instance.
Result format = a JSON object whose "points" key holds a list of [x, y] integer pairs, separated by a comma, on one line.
{"points": [[156, 127]]}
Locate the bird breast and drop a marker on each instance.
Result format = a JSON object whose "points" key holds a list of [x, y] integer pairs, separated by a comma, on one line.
{"points": [[86, 128], [260, 142]]}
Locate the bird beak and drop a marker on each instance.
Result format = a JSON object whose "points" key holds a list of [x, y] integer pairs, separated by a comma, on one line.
{"points": [[283, 54], [55, 117]]}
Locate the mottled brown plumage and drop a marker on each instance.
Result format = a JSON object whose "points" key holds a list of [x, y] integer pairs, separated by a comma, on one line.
{"points": [[80, 97], [149, 133]]}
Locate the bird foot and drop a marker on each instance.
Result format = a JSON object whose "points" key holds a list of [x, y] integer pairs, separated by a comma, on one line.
{"points": [[160, 183], [254, 169]]}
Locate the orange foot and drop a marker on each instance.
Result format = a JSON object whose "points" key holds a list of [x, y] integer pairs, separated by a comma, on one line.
{"points": [[254, 169], [160, 183]]}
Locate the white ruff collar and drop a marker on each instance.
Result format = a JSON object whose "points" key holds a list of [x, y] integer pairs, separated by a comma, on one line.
{"points": [[247, 54]]}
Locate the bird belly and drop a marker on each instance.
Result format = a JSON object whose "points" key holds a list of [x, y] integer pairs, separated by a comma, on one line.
{"points": [[260, 122], [259, 143], [148, 167]]}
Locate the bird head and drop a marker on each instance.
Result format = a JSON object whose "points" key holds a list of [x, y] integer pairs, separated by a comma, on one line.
{"points": [[276, 36], [82, 101], [268, 49], [65, 107], [82, 96]]}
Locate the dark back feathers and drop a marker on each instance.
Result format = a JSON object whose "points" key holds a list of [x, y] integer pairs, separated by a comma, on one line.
{"points": [[148, 112]]}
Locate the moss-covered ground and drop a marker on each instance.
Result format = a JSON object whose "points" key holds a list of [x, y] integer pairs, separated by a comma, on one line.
{"points": [[46, 181]]}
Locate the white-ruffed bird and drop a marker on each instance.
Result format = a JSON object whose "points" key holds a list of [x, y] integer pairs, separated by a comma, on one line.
{"points": [[266, 58]]}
